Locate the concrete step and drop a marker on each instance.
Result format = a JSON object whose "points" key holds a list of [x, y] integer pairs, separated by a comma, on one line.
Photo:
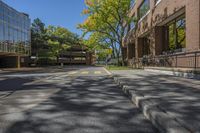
{"points": [[179, 72]]}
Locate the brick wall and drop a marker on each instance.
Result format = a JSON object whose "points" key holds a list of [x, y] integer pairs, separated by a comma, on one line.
{"points": [[159, 15]]}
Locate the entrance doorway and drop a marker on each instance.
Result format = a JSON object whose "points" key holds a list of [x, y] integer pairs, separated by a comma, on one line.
{"points": [[146, 46]]}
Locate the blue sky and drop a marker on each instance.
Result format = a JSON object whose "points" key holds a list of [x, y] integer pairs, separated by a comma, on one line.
{"points": [[65, 13]]}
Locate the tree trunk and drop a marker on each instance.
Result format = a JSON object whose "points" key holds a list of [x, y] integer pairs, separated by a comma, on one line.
{"points": [[118, 61], [123, 57], [118, 56], [57, 60], [113, 51]]}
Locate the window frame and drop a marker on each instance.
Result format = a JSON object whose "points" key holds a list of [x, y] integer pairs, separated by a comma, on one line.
{"points": [[139, 11], [132, 4], [157, 2], [174, 23]]}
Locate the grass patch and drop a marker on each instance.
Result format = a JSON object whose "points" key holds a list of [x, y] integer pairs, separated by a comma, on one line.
{"points": [[113, 67]]}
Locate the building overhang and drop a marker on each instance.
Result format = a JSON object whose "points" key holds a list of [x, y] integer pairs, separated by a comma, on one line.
{"points": [[11, 54], [172, 17]]}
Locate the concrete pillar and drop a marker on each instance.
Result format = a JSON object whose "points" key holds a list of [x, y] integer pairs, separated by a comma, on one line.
{"points": [[125, 52], [139, 48], [88, 58], [192, 25], [130, 51], [152, 4], [18, 62], [161, 42], [151, 37]]}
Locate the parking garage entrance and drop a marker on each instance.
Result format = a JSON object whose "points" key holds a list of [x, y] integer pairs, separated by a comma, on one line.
{"points": [[77, 55]]}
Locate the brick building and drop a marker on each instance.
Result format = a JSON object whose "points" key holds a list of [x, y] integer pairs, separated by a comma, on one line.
{"points": [[14, 37], [165, 33]]}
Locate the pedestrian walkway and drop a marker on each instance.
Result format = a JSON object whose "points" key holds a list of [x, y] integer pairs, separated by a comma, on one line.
{"points": [[171, 103], [87, 72]]}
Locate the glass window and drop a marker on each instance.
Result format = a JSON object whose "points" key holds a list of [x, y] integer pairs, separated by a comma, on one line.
{"points": [[1, 31], [172, 40], [14, 28], [132, 3], [6, 32], [177, 34], [132, 25], [181, 35], [10, 34], [144, 8], [126, 30], [157, 1], [1, 8], [15, 36]]}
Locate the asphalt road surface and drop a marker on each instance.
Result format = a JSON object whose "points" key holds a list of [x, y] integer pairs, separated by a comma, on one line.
{"points": [[77, 100]]}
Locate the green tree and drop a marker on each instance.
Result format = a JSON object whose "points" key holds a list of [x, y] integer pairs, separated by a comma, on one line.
{"points": [[63, 35], [51, 41], [97, 43], [108, 18], [60, 39], [38, 36]]}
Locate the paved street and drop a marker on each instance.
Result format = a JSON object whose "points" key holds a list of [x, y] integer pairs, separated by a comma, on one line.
{"points": [[70, 100]]}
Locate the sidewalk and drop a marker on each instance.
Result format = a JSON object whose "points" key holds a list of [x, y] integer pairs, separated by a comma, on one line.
{"points": [[171, 103]]}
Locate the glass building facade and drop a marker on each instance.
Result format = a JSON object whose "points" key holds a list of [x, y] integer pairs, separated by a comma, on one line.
{"points": [[14, 31]]}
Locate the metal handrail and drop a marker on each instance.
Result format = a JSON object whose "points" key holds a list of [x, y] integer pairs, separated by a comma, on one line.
{"points": [[171, 60]]}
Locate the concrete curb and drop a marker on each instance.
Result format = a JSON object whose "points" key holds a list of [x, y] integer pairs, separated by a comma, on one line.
{"points": [[159, 117], [109, 73], [175, 73]]}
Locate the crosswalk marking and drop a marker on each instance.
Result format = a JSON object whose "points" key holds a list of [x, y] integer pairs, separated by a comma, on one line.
{"points": [[97, 72], [72, 73], [85, 72]]}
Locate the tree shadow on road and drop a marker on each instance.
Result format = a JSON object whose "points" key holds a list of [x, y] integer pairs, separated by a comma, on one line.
{"points": [[178, 97], [80, 105]]}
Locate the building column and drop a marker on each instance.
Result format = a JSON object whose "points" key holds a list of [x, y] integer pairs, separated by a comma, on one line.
{"points": [[161, 42], [192, 25], [88, 58], [18, 63], [139, 48], [125, 52], [130, 50], [138, 51]]}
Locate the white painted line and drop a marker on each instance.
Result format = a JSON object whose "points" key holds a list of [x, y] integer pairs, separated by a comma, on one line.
{"points": [[84, 72], [28, 75], [109, 73], [71, 73], [97, 72]]}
